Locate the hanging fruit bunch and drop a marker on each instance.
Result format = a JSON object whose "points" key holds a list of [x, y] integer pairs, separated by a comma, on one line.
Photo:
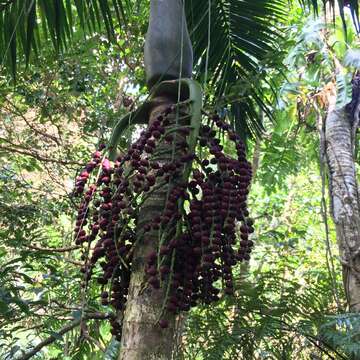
{"points": [[204, 227]]}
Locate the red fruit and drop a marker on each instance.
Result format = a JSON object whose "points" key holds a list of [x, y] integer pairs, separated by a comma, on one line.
{"points": [[164, 323], [150, 143], [102, 281], [151, 257], [84, 174], [104, 294], [203, 142], [243, 243], [165, 220], [113, 261], [171, 307], [98, 252], [173, 243], [205, 240], [106, 165], [96, 155], [155, 165], [151, 179], [136, 155], [122, 204], [151, 271], [104, 302], [108, 242], [154, 282], [81, 233], [103, 224], [164, 250], [106, 206], [164, 270], [169, 138], [244, 229], [244, 236], [197, 251], [105, 179]]}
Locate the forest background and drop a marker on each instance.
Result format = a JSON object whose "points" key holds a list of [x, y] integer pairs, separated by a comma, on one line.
{"points": [[60, 96]]}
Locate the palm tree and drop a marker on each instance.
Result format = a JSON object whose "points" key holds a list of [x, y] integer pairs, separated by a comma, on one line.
{"points": [[168, 55], [231, 42]]}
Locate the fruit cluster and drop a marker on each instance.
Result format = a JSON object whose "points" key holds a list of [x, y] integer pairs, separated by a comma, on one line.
{"points": [[198, 228]]}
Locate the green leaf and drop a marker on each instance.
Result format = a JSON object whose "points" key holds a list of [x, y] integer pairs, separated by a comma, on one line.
{"points": [[4, 307], [352, 58], [21, 304], [344, 89], [243, 34]]}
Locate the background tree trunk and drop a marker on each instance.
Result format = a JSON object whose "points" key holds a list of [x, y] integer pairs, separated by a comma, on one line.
{"points": [[142, 337], [344, 198]]}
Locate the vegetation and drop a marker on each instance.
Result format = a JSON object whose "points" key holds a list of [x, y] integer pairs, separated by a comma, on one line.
{"points": [[75, 106]]}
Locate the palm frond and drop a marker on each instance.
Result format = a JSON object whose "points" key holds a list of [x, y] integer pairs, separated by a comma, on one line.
{"points": [[266, 319], [353, 6], [233, 58], [26, 25], [242, 35]]}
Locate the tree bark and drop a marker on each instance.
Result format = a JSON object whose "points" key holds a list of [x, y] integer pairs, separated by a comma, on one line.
{"points": [[142, 337], [344, 196]]}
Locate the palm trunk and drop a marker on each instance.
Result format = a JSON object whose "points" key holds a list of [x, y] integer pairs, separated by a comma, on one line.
{"points": [[168, 55], [142, 337], [344, 196], [168, 51]]}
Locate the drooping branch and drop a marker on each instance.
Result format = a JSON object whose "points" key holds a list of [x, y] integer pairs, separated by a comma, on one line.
{"points": [[16, 149], [62, 331], [56, 250], [14, 109]]}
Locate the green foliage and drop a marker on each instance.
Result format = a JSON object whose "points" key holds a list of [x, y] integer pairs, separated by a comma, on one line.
{"points": [[27, 25], [285, 306], [289, 303], [339, 6], [48, 125], [272, 318], [233, 58], [228, 53]]}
